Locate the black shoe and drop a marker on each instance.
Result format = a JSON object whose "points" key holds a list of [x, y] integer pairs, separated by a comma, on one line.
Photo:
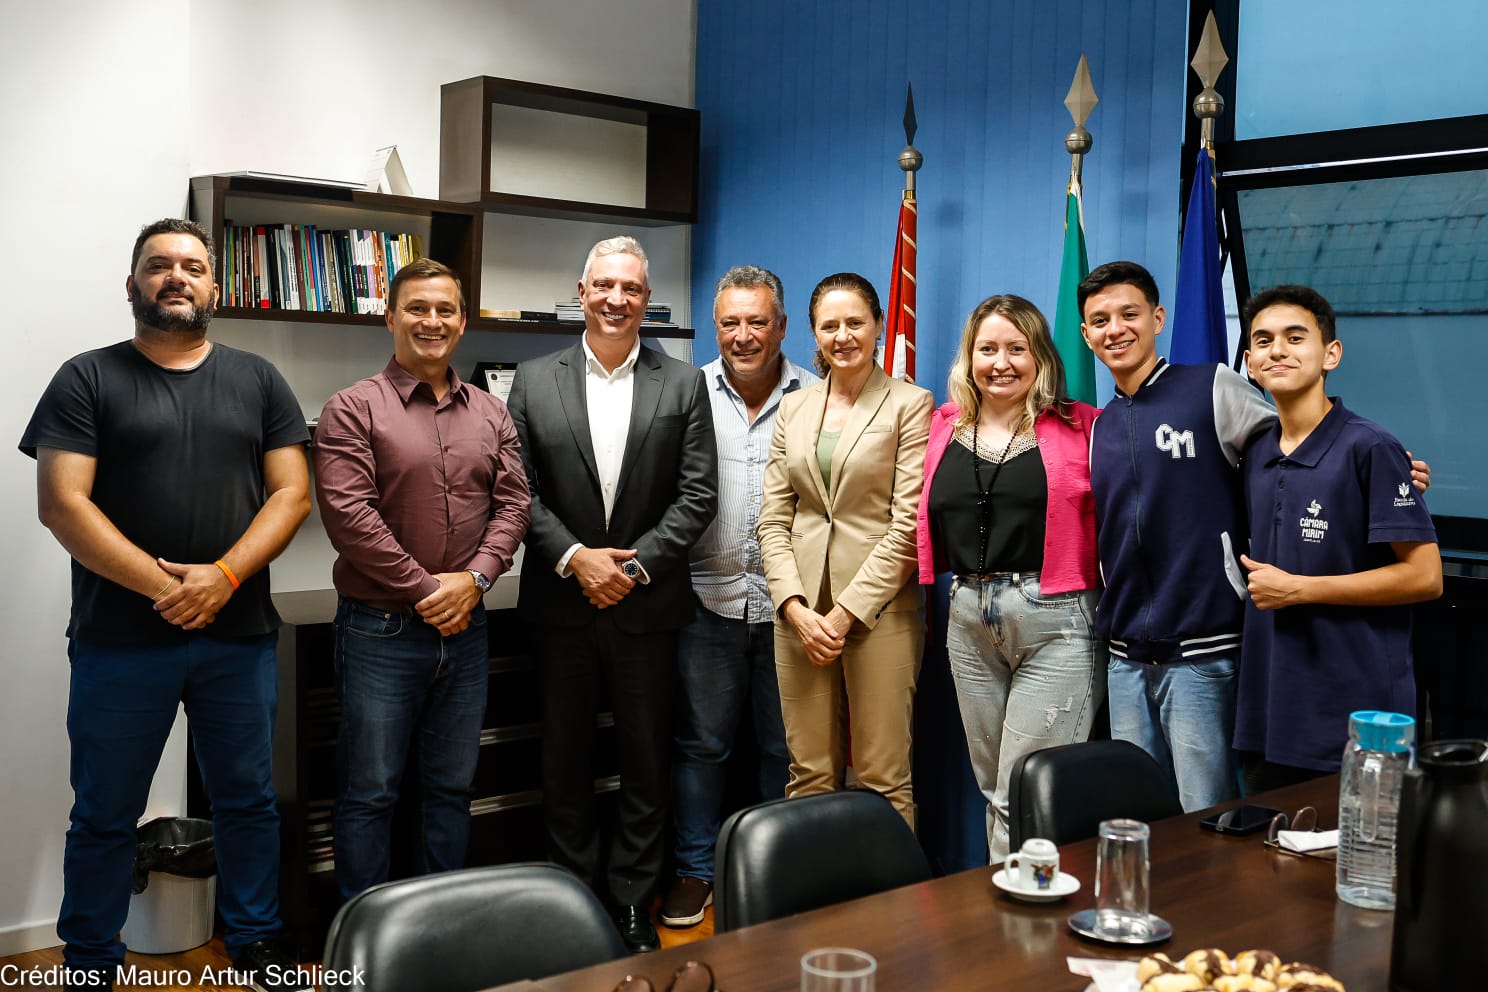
{"points": [[266, 968], [634, 924], [686, 902]]}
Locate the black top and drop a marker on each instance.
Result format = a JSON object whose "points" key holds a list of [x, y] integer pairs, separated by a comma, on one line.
{"points": [[1019, 509], [180, 472]]}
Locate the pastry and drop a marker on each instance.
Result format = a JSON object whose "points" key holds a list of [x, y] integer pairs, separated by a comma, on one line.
{"points": [[1178, 981], [1208, 964], [1262, 964], [1300, 976], [1243, 983], [1156, 964]]}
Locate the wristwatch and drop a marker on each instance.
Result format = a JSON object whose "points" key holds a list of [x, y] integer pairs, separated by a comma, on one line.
{"points": [[631, 567], [481, 582]]}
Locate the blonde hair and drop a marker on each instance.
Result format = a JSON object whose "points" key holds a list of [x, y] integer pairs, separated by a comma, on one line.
{"points": [[1048, 384]]}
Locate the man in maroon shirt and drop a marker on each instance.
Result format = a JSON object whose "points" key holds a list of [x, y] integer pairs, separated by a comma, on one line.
{"points": [[420, 482]]}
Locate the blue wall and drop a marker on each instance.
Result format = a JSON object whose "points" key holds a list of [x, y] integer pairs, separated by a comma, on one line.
{"points": [[801, 132], [801, 107]]}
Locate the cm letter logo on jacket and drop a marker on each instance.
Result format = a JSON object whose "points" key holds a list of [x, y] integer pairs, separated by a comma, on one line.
{"points": [[1179, 444]]}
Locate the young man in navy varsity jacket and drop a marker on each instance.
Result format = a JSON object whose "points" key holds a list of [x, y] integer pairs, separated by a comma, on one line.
{"points": [[1170, 527], [1340, 544]]}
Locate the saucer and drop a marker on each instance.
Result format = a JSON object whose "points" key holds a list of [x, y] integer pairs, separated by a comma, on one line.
{"points": [[1158, 930], [1065, 884]]}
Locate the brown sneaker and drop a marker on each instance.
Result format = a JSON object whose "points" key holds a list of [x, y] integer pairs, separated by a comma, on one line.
{"points": [[685, 902]]}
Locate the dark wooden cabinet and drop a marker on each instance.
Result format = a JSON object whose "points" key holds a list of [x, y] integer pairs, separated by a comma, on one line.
{"points": [[506, 811]]}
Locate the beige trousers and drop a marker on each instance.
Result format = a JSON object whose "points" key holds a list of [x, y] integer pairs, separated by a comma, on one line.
{"points": [[874, 682]]}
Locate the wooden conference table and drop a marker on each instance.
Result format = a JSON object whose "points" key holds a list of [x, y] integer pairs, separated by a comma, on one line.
{"points": [[960, 933]]}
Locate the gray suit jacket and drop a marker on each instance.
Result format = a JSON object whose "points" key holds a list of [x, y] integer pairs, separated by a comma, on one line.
{"points": [[666, 497]]}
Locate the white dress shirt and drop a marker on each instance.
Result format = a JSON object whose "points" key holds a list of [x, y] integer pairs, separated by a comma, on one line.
{"points": [[609, 397]]}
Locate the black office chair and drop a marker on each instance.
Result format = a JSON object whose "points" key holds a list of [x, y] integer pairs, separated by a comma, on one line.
{"points": [[789, 855], [461, 931], [1063, 793]]}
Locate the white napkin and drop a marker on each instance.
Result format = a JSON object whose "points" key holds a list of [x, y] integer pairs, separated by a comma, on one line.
{"points": [[1105, 974], [1304, 841]]}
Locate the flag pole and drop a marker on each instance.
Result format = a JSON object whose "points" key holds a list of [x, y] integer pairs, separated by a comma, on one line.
{"points": [[1074, 266], [1080, 101], [1198, 318], [899, 338], [1208, 62]]}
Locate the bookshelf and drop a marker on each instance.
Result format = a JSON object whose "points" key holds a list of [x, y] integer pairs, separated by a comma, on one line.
{"points": [[560, 128], [451, 232]]}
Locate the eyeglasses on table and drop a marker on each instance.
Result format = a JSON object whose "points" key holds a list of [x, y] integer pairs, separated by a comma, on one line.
{"points": [[1304, 820]]}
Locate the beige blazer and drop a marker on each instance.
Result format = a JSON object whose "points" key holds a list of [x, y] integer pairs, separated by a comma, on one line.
{"points": [[863, 533]]}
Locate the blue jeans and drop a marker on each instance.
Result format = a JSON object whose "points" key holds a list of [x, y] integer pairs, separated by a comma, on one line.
{"points": [[1030, 674], [1183, 714], [121, 705], [396, 676], [722, 663]]}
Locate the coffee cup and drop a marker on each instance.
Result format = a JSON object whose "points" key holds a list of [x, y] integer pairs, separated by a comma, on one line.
{"points": [[1035, 866]]}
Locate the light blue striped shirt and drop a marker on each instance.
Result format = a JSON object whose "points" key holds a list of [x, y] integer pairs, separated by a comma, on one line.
{"points": [[727, 572]]}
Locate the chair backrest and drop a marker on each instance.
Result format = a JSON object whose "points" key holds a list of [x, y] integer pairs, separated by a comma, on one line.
{"points": [[1063, 793], [789, 855], [461, 931]]}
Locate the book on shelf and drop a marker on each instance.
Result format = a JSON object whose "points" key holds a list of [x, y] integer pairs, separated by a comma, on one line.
{"points": [[572, 311], [302, 268]]}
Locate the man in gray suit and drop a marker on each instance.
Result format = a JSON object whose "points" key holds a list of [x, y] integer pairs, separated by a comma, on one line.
{"points": [[622, 464]]}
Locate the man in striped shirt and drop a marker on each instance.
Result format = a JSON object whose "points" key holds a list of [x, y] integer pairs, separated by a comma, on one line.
{"points": [[726, 658]]}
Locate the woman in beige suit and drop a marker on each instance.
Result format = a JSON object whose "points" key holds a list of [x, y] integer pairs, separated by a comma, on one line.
{"points": [[837, 535]]}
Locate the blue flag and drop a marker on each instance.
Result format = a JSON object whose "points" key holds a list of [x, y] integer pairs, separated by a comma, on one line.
{"points": [[1198, 319]]}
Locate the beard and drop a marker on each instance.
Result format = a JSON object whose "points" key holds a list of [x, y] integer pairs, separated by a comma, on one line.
{"points": [[152, 314]]}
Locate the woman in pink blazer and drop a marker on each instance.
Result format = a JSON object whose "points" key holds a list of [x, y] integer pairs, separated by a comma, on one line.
{"points": [[1007, 508]]}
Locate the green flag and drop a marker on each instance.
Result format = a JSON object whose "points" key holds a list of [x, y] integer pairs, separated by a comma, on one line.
{"points": [[1079, 363]]}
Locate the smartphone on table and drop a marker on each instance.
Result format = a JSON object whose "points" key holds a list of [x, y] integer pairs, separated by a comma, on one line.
{"points": [[1240, 819]]}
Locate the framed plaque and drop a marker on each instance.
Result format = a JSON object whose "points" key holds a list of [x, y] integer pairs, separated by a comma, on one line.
{"points": [[495, 378]]}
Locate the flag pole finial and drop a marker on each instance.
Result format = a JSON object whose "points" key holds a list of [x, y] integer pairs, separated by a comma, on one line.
{"points": [[1080, 101], [910, 159], [1208, 62]]}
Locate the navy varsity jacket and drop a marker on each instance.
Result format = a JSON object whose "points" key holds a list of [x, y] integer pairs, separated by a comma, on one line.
{"points": [[1170, 515]]}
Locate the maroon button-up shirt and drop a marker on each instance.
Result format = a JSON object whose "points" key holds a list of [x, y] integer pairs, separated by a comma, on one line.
{"points": [[409, 487]]}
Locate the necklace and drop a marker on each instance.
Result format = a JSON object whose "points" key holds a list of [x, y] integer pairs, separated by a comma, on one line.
{"points": [[984, 497]]}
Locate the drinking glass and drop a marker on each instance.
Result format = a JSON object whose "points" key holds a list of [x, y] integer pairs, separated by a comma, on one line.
{"points": [[1121, 871], [837, 969]]}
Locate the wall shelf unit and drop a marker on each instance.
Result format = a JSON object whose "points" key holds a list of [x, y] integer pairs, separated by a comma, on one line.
{"points": [[451, 231], [665, 177], [566, 328]]}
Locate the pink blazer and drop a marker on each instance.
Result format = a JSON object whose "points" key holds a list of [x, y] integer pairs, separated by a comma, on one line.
{"points": [[1070, 560]]}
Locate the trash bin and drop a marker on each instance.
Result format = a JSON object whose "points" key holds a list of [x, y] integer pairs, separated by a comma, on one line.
{"points": [[175, 887]]}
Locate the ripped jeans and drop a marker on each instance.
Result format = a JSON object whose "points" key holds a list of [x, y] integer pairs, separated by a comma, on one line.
{"points": [[1030, 673]]}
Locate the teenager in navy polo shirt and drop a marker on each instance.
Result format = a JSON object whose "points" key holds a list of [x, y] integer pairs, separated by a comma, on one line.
{"points": [[1340, 544]]}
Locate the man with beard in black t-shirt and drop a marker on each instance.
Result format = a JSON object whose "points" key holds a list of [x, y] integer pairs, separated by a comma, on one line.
{"points": [[173, 471]]}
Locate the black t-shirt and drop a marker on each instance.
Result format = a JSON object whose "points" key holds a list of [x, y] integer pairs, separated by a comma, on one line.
{"points": [[1020, 501], [180, 472]]}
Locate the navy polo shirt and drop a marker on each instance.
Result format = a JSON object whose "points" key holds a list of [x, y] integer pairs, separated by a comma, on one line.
{"points": [[1331, 507]]}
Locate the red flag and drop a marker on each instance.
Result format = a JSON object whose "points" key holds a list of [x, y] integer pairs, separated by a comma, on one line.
{"points": [[899, 349]]}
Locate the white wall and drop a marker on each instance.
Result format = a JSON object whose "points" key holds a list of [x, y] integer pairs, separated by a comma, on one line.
{"points": [[107, 110]]}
